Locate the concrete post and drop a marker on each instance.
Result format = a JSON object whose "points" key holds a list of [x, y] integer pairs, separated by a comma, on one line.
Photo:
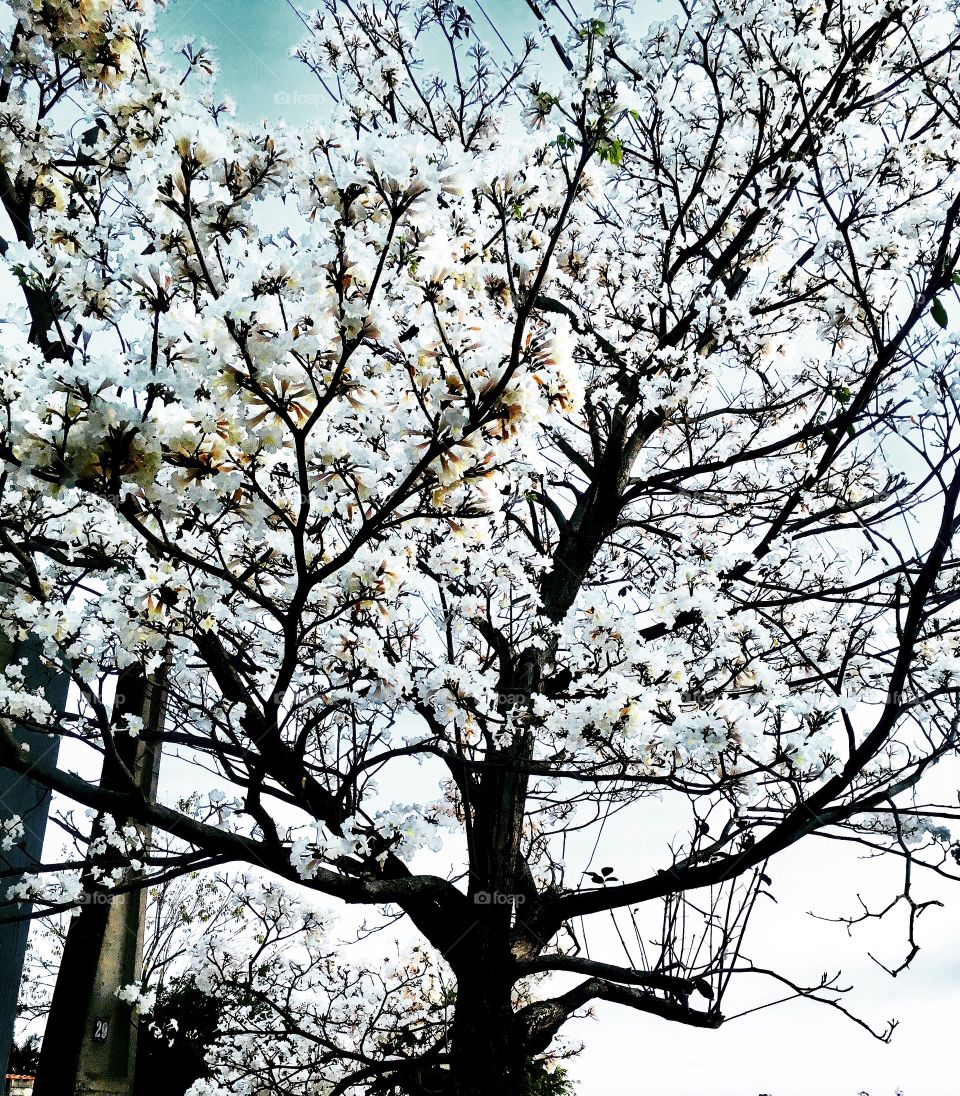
{"points": [[109, 1049], [89, 1046]]}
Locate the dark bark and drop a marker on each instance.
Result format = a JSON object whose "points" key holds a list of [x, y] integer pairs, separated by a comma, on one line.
{"points": [[487, 1058], [487, 1055]]}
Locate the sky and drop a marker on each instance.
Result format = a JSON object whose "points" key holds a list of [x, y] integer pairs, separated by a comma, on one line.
{"points": [[796, 1049], [253, 39]]}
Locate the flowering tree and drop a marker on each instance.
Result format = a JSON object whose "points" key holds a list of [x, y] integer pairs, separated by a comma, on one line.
{"points": [[179, 914], [275, 1003], [246, 984], [542, 440]]}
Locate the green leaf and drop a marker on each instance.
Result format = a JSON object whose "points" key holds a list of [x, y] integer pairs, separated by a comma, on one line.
{"points": [[595, 28], [611, 151], [955, 277], [938, 312]]}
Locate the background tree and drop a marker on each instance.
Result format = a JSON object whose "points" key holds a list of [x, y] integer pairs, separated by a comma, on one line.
{"points": [[525, 446], [24, 1056], [243, 984]]}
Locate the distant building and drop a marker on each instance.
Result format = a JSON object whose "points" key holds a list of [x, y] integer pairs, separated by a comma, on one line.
{"points": [[17, 1085]]}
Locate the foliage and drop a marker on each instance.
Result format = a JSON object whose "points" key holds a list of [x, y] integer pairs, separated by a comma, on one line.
{"points": [[172, 1045], [537, 1081], [24, 1055]]}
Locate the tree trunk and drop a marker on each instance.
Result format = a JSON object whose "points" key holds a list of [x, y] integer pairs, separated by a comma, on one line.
{"points": [[486, 1060], [487, 1056]]}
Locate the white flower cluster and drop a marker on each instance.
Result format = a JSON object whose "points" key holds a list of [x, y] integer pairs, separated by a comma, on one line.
{"points": [[140, 998], [911, 829], [11, 832], [61, 888], [399, 830]]}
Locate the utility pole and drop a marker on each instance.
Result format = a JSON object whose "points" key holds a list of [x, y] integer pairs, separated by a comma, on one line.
{"points": [[89, 1046], [23, 797]]}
